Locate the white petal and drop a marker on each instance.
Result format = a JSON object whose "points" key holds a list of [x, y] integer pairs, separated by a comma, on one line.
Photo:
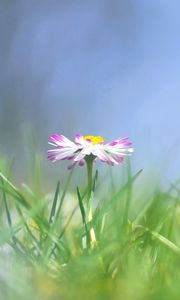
{"points": [[118, 151], [79, 156]]}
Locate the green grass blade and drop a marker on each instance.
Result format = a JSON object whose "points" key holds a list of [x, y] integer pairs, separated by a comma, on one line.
{"points": [[95, 181], [64, 194], [6, 205], [83, 214], [18, 195], [53, 209], [129, 194], [101, 210]]}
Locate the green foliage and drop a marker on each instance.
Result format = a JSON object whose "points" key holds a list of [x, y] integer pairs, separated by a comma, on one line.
{"points": [[137, 255]]}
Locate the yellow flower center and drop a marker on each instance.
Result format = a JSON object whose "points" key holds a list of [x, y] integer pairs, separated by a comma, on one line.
{"points": [[94, 139]]}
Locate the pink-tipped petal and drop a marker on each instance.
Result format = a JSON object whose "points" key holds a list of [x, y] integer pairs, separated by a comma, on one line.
{"points": [[64, 148], [118, 159], [57, 139], [78, 137], [61, 141], [119, 148], [123, 142], [82, 163], [79, 140], [52, 158], [70, 167], [104, 156]]}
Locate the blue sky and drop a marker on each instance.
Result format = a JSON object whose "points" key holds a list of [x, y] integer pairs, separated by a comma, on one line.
{"points": [[94, 67]]}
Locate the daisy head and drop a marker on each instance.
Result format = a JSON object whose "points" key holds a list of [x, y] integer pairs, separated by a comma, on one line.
{"points": [[85, 147]]}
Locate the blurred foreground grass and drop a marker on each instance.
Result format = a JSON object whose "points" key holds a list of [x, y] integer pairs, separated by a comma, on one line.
{"points": [[137, 255]]}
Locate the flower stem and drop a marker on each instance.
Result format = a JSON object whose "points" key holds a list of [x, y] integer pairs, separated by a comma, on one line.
{"points": [[89, 162]]}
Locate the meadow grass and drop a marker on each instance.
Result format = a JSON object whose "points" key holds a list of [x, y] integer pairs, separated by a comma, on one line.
{"points": [[44, 246]]}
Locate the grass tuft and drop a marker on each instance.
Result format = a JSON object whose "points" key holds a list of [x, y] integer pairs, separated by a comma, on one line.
{"points": [[46, 251]]}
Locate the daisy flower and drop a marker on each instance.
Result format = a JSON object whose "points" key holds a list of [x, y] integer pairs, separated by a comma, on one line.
{"points": [[83, 147], [86, 149]]}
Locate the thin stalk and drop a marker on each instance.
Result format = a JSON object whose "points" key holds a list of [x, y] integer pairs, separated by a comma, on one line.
{"points": [[129, 194], [83, 214], [8, 213], [89, 162], [64, 194]]}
